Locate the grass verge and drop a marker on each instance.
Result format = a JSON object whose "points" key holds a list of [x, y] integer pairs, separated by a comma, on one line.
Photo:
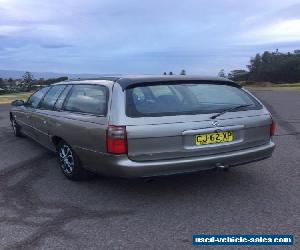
{"points": [[8, 98], [272, 86]]}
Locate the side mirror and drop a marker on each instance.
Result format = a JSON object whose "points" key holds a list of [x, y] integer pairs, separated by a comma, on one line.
{"points": [[18, 103]]}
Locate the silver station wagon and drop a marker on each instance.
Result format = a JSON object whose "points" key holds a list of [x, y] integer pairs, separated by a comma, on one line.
{"points": [[146, 126]]}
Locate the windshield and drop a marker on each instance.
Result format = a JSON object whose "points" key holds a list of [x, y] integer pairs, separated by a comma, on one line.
{"points": [[185, 99]]}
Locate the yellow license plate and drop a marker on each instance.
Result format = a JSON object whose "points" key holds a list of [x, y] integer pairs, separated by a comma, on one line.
{"points": [[212, 138]]}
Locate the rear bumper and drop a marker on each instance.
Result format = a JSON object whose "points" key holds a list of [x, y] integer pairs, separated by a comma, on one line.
{"points": [[121, 166]]}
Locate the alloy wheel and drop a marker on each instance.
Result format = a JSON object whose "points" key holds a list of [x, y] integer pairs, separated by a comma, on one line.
{"points": [[14, 126], [66, 159]]}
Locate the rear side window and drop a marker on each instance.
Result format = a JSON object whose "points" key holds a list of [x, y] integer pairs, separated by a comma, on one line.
{"points": [[60, 100], [51, 97], [91, 99], [184, 99]]}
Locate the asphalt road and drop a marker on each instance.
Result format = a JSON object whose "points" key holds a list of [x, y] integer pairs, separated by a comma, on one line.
{"points": [[40, 209]]}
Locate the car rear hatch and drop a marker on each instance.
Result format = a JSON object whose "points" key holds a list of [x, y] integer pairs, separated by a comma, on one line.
{"points": [[165, 120], [162, 140]]}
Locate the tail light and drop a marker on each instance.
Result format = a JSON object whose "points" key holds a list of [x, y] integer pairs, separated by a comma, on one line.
{"points": [[116, 140], [272, 128]]}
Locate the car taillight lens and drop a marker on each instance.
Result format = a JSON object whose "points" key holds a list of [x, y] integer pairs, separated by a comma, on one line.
{"points": [[116, 140], [272, 128]]}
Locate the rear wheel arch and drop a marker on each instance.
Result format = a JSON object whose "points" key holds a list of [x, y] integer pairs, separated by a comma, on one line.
{"points": [[56, 140]]}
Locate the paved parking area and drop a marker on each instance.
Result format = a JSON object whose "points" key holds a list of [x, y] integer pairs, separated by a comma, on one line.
{"points": [[40, 209]]}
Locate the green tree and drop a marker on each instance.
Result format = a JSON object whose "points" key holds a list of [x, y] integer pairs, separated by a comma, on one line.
{"points": [[238, 75], [28, 80], [297, 51], [272, 67], [255, 67], [27, 77], [222, 73], [2, 84], [183, 72]]}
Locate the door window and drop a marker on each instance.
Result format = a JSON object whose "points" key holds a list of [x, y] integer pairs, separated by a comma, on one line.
{"points": [[36, 97]]}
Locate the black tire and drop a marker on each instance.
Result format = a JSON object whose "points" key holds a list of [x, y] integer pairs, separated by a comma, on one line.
{"points": [[70, 163], [16, 128]]}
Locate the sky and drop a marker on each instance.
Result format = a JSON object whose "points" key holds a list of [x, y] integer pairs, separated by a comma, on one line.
{"points": [[143, 37]]}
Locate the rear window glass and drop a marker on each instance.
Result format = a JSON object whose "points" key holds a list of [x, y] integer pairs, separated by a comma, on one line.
{"points": [[91, 99], [185, 99]]}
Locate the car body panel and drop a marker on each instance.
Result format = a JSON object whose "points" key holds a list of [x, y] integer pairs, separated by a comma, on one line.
{"points": [[23, 116]]}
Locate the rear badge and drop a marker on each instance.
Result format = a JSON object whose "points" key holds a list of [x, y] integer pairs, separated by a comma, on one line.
{"points": [[215, 123]]}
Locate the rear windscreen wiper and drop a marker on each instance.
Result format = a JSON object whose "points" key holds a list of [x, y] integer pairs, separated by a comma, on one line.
{"points": [[230, 109]]}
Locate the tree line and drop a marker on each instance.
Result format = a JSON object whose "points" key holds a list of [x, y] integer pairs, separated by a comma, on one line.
{"points": [[273, 67], [26, 83], [182, 72]]}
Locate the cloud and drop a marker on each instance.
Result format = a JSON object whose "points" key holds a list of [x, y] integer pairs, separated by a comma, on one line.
{"points": [[279, 31], [56, 46], [111, 36], [9, 29]]}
